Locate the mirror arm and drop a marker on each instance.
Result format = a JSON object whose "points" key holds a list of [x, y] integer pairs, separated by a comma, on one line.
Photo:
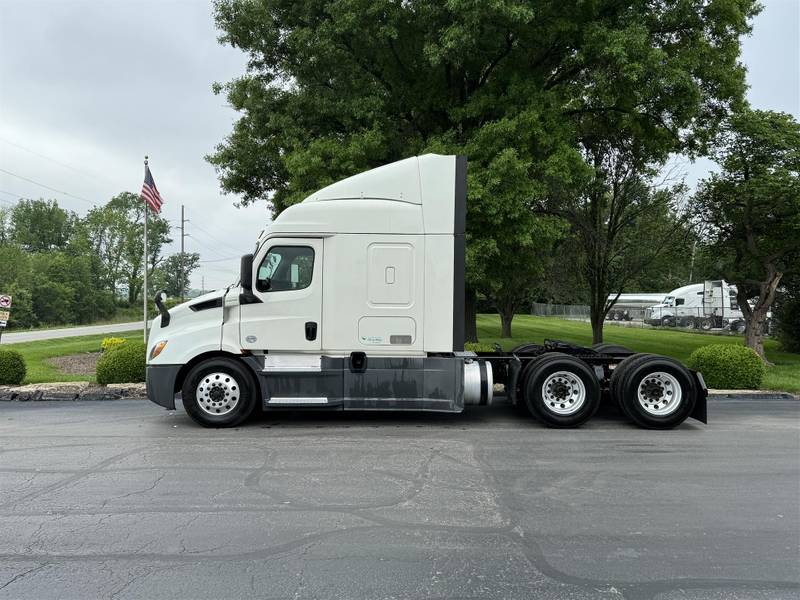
{"points": [[159, 302]]}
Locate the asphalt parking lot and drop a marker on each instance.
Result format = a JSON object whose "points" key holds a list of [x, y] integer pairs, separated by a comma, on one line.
{"points": [[125, 500]]}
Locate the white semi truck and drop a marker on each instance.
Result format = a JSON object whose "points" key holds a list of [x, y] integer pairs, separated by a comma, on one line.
{"points": [[708, 305], [354, 300]]}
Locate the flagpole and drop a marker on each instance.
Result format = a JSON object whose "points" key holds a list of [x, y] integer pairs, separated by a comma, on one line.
{"points": [[144, 266]]}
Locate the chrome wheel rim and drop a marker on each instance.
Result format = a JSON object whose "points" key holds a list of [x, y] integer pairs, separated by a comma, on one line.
{"points": [[659, 394], [217, 393], [563, 393]]}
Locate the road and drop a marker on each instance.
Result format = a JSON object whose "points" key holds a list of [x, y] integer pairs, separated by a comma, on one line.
{"points": [[125, 500], [51, 334]]}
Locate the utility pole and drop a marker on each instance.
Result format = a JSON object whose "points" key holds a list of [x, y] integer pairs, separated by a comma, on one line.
{"points": [[183, 236]]}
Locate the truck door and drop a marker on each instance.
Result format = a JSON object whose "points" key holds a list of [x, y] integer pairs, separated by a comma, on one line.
{"points": [[287, 285]]}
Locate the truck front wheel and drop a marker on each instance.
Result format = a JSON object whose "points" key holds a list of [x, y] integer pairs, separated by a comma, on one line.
{"points": [[219, 392], [561, 391]]}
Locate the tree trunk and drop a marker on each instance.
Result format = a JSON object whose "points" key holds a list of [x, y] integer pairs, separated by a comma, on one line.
{"points": [[756, 316], [597, 329], [506, 316], [470, 315], [597, 313], [754, 334]]}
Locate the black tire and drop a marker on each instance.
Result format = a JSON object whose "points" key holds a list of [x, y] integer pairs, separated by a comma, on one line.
{"points": [[707, 324], [577, 378], [606, 348], [691, 323], [661, 381], [617, 316], [667, 321], [617, 377], [225, 378]]}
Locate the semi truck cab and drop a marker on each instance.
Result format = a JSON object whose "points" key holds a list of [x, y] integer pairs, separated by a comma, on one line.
{"points": [[354, 300]]}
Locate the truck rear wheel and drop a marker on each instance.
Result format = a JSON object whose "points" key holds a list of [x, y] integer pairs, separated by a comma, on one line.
{"points": [[618, 375], [561, 391], [656, 392], [219, 392]]}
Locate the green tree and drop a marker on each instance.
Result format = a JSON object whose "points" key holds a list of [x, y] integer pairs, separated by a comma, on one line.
{"points": [[621, 222], [15, 280], [41, 225], [787, 312], [116, 234], [5, 224], [752, 210], [175, 273], [334, 88]]}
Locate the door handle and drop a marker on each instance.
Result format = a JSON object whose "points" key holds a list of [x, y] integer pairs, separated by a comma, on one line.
{"points": [[311, 331]]}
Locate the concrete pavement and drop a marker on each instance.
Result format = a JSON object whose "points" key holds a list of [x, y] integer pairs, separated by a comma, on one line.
{"points": [[125, 500]]}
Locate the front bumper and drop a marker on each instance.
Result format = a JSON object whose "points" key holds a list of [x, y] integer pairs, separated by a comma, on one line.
{"points": [[161, 384]]}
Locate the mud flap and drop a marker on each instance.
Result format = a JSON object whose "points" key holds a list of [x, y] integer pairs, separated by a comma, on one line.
{"points": [[700, 411], [514, 368]]}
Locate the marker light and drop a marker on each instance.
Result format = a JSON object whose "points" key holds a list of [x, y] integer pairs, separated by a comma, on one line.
{"points": [[157, 349]]}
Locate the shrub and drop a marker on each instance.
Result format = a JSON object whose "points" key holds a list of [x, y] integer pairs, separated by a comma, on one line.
{"points": [[12, 367], [728, 366], [111, 343], [478, 347], [124, 364]]}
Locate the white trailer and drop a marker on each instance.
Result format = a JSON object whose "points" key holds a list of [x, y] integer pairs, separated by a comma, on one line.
{"points": [[631, 306], [354, 300], [708, 305]]}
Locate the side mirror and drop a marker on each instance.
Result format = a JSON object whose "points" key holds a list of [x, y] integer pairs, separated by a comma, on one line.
{"points": [[246, 281], [246, 273]]}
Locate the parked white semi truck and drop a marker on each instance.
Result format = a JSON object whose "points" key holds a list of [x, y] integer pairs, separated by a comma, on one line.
{"points": [[354, 300], [707, 305]]}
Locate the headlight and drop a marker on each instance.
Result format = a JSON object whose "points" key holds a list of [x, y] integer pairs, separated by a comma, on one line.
{"points": [[157, 349]]}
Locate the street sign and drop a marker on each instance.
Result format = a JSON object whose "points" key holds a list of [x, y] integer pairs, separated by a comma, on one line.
{"points": [[2, 323], [4, 315], [5, 301]]}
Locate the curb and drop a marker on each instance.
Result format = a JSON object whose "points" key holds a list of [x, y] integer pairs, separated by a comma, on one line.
{"points": [[745, 395], [71, 392]]}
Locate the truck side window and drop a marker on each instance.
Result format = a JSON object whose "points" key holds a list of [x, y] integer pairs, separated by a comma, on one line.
{"points": [[286, 268], [680, 301]]}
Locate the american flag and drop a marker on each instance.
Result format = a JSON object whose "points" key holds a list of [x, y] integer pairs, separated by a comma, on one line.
{"points": [[150, 192]]}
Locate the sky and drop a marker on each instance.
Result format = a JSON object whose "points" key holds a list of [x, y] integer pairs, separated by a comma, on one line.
{"points": [[87, 88]]}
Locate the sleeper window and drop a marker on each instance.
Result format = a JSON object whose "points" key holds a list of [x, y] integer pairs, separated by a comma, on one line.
{"points": [[286, 268]]}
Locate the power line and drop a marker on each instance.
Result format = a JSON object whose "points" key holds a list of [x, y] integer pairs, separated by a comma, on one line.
{"points": [[47, 187], [216, 239], [215, 260], [214, 251], [52, 160]]}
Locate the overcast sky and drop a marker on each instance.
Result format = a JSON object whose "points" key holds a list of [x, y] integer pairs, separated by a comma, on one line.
{"points": [[87, 88]]}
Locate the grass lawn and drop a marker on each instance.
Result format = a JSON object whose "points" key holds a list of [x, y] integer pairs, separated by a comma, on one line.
{"points": [[37, 353], [784, 376]]}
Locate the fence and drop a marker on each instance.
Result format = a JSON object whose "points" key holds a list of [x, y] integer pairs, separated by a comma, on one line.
{"points": [[696, 318]]}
